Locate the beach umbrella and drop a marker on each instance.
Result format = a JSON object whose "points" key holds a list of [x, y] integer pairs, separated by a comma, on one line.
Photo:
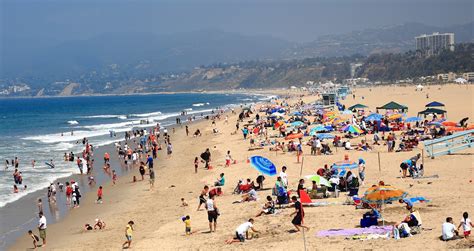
{"points": [[449, 123], [374, 117], [297, 114], [352, 128], [279, 123], [325, 136], [297, 123], [435, 123], [412, 119], [277, 114], [318, 128], [395, 116], [344, 165], [383, 194], [347, 112], [263, 165], [319, 180]]}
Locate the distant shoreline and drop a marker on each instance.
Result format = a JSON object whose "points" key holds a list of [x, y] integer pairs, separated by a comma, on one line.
{"points": [[246, 91], [260, 91]]}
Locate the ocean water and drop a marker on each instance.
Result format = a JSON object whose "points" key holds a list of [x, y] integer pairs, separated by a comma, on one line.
{"points": [[40, 129]]}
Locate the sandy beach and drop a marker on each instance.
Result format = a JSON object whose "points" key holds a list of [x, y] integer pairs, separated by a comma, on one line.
{"points": [[157, 213]]}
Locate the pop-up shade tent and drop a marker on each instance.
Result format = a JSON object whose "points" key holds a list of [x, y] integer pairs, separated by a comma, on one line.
{"points": [[428, 111], [434, 104], [393, 106], [357, 106]]}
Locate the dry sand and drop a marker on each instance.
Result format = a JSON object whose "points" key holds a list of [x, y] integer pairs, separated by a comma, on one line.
{"points": [[157, 213]]}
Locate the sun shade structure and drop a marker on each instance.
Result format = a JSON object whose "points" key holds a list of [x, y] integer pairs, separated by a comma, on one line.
{"points": [[383, 194], [319, 180], [263, 165], [434, 104], [412, 119], [374, 117], [344, 165], [357, 106], [432, 110], [393, 106]]}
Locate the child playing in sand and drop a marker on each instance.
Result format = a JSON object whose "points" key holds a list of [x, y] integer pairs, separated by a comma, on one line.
{"points": [[99, 195], [466, 224], [187, 224], [228, 159], [99, 224], [35, 239], [183, 203]]}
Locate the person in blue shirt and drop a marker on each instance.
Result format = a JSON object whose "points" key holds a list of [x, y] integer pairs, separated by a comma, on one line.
{"points": [[220, 181], [149, 161]]}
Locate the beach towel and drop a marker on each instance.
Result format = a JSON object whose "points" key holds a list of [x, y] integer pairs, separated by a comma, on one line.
{"points": [[355, 231], [418, 199]]}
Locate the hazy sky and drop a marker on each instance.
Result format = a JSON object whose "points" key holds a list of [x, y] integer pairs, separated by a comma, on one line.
{"points": [[296, 20]]}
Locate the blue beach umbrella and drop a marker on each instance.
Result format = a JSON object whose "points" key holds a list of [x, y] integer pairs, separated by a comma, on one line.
{"points": [[263, 165], [297, 123], [374, 117], [318, 128], [325, 136], [297, 114], [435, 123], [412, 119], [344, 165]]}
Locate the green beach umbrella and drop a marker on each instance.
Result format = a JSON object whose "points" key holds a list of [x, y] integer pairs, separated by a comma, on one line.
{"points": [[319, 180]]}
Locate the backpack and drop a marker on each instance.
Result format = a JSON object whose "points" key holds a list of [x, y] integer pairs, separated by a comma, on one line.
{"points": [[355, 182]]}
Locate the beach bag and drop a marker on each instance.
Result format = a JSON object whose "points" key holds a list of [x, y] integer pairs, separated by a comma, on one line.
{"points": [[355, 182]]}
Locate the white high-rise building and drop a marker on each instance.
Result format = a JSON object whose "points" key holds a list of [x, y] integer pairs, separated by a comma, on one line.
{"points": [[435, 43]]}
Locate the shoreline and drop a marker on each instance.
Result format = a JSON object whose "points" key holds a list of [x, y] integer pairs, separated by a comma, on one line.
{"points": [[27, 203], [259, 91], [157, 213]]}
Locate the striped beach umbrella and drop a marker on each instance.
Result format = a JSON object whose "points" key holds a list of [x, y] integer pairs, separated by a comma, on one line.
{"points": [[263, 165]]}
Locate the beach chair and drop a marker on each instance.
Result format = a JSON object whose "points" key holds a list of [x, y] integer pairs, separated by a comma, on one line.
{"points": [[416, 229]]}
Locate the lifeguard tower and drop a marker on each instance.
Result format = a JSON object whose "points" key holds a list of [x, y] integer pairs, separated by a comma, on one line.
{"points": [[329, 99]]}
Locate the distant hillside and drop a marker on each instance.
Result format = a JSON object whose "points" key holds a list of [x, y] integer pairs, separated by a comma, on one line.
{"points": [[389, 66], [261, 74], [393, 39]]}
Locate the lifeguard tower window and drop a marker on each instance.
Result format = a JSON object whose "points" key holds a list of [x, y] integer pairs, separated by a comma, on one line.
{"points": [[329, 99]]}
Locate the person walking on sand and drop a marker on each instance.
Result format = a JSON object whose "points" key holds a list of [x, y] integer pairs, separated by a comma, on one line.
{"points": [[141, 169], [99, 195], [128, 234], [212, 213], [152, 178], [114, 177], [202, 196], [196, 164], [42, 228], [299, 215]]}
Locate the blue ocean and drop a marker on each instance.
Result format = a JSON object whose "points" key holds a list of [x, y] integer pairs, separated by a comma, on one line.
{"points": [[42, 129]]}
